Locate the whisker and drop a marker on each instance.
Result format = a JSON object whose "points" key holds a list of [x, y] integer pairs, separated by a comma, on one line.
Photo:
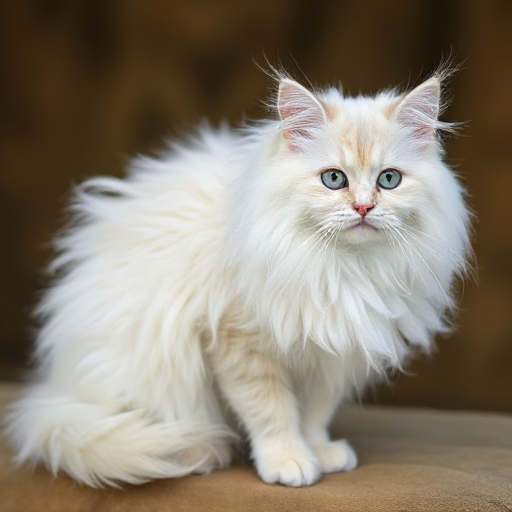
{"points": [[310, 228], [415, 249], [322, 232], [318, 251], [405, 224], [431, 251], [465, 267], [408, 254], [393, 240]]}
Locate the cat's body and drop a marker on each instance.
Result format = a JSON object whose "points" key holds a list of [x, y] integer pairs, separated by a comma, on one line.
{"points": [[235, 273]]}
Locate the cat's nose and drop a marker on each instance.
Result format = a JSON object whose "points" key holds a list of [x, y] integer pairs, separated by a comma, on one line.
{"points": [[363, 209]]}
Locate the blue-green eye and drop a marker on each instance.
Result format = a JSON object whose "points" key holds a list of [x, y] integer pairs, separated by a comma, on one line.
{"points": [[389, 179], [334, 179]]}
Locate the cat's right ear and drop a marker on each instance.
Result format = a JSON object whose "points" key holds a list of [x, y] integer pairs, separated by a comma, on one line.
{"points": [[300, 111]]}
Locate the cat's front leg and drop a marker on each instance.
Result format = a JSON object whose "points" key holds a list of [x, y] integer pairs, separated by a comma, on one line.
{"points": [[258, 387], [321, 389]]}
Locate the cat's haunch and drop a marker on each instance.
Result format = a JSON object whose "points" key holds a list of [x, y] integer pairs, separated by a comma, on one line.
{"points": [[271, 271]]}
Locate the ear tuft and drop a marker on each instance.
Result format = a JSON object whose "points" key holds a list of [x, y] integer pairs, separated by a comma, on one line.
{"points": [[300, 111], [419, 109]]}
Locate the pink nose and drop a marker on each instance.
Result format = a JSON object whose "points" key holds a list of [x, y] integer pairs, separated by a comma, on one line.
{"points": [[363, 209]]}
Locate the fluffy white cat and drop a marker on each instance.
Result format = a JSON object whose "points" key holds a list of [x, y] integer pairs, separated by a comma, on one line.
{"points": [[270, 272]]}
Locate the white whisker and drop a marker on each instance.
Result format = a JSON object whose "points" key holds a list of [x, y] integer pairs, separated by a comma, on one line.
{"points": [[393, 240], [430, 250], [415, 249], [431, 237]]}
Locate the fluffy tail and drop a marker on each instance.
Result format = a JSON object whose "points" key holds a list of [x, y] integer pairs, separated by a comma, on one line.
{"points": [[96, 445]]}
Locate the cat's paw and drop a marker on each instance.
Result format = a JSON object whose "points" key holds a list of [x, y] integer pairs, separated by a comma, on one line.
{"points": [[336, 456], [291, 469]]}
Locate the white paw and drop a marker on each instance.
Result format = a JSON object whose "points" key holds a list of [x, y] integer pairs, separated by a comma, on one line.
{"points": [[295, 469], [336, 456]]}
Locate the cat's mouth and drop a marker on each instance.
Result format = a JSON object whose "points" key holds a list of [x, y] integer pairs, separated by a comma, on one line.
{"points": [[364, 224]]}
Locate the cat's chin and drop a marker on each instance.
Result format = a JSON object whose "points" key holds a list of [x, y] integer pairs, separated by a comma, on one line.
{"points": [[364, 227], [362, 233]]}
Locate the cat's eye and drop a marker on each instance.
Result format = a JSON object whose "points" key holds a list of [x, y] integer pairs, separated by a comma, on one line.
{"points": [[389, 179], [334, 179]]}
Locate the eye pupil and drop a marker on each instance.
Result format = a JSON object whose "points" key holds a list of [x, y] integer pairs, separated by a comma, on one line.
{"points": [[334, 177], [389, 176]]}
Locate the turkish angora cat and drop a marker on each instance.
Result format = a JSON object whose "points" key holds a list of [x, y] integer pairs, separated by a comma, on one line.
{"points": [[271, 271]]}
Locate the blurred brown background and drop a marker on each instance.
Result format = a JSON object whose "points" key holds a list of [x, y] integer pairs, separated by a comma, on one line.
{"points": [[86, 83]]}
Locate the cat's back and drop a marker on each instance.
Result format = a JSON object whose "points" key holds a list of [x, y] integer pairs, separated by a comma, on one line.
{"points": [[163, 201], [160, 231]]}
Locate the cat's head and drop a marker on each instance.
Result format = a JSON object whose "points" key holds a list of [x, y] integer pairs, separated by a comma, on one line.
{"points": [[365, 170], [345, 213]]}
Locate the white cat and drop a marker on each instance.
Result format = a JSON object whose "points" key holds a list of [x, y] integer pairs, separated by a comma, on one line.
{"points": [[271, 272]]}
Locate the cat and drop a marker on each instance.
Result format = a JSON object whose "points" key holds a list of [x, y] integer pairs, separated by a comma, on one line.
{"points": [[246, 283]]}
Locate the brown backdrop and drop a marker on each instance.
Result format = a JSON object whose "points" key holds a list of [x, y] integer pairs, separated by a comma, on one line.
{"points": [[83, 84]]}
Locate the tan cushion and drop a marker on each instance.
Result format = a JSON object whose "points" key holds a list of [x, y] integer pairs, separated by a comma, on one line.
{"points": [[410, 459]]}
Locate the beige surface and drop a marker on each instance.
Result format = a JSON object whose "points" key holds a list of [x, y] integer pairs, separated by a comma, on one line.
{"points": [[410, 459]]}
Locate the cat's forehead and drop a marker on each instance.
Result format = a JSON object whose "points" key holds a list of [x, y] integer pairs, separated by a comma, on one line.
{"points": [[361, 128]]}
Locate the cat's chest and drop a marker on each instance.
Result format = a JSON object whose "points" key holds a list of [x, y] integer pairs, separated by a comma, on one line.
{"points": [[355, 290]]}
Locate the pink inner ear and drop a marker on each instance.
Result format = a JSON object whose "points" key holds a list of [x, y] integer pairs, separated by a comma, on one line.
{"points": [[420, 108], [299, 110]]}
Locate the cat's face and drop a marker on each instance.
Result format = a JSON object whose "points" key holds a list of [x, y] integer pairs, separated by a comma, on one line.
{"points": [[367, 170]]}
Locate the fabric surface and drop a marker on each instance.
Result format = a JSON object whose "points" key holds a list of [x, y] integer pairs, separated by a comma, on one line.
{"points": [[410, 459]]}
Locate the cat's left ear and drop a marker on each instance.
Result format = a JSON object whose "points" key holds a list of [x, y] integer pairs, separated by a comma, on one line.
{"points": [[419, 109], [300, 111]]}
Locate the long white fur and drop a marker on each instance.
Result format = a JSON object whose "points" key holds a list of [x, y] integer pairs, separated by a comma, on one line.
{"points": [[225, 271]]}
